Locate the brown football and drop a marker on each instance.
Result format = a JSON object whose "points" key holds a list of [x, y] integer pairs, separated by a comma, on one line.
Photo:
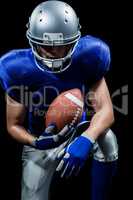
{"points": [[66, 108]]}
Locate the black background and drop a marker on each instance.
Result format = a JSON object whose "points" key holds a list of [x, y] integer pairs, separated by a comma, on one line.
{"points": [[98, 18]]}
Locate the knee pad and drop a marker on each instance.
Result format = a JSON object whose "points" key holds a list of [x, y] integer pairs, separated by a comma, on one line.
{"points": [[106, 147]]}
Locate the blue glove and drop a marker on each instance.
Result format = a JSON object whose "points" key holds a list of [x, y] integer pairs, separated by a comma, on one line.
{"points": [[48, 140], [74, 156]]}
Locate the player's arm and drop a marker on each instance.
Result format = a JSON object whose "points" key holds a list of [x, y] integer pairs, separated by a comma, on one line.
{"points": [[75, 155], [16, 113], [102, 104]]}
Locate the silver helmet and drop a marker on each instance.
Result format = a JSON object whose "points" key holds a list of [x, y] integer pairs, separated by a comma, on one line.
{"points": [[53, 24]]}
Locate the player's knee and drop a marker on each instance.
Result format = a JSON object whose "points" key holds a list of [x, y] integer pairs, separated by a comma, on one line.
{"points": [[106, 148]]}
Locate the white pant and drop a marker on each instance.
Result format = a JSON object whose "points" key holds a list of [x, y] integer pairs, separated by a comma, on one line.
{"points": [[39, 166]]}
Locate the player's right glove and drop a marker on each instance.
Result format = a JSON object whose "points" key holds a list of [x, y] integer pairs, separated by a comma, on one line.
{"points": [[48, 140]]}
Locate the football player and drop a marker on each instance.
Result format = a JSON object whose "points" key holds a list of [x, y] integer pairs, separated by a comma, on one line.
{"points": [[59, 59]]}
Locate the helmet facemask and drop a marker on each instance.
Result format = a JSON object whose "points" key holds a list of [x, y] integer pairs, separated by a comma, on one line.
{"points": [[51, 63]]}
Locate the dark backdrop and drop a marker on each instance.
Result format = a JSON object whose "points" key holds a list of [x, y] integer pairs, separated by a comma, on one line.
{"points": [[98, 18]]}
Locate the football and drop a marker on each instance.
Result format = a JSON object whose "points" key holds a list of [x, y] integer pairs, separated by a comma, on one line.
{"points": [[65, 109]]}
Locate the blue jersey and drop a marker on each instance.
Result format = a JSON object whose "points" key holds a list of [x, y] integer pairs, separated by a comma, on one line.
{"points": [[27, 84]]}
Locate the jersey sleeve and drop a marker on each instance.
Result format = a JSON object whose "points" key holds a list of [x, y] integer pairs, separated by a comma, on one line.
{"points": [[104, 58], [96, 62], [8, 83]]}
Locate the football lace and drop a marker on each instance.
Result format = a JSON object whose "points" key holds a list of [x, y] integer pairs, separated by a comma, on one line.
{"points": [[76, 116]]}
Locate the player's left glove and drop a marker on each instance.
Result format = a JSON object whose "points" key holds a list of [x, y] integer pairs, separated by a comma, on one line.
{"points": [[75, 156]]}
